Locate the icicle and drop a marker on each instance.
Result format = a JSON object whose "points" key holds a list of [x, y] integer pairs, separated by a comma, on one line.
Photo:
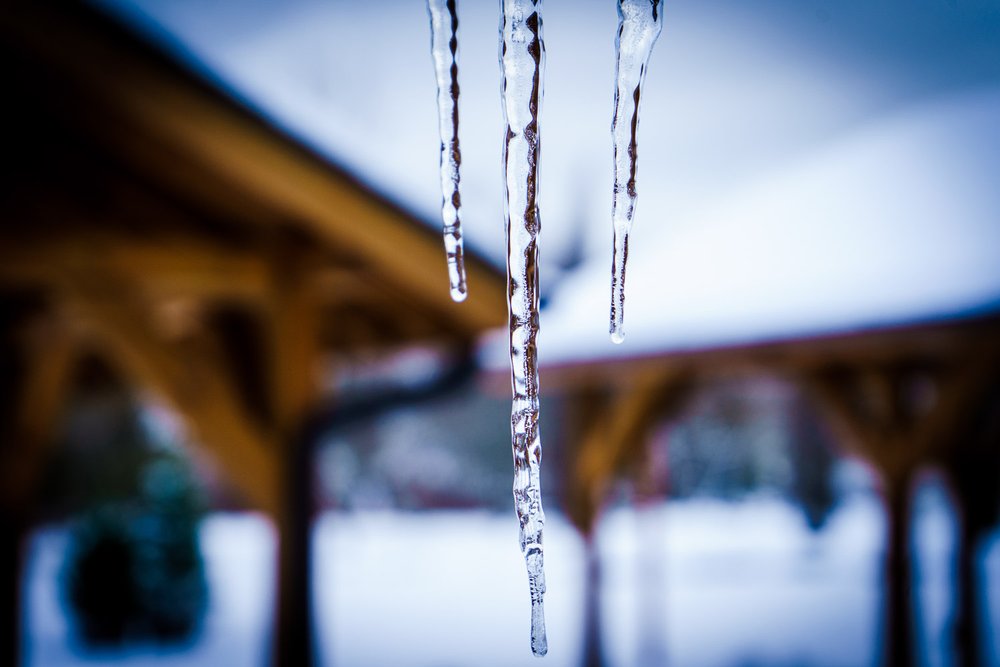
{"points": [[522, 59], [639, 24], [444, 49]]}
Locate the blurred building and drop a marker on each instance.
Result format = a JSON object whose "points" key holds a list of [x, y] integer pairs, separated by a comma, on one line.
{"points": [[190, 208]]}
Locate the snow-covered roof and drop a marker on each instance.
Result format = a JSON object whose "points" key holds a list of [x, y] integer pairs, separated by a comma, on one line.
{"points": [[897, 223], [804, 167]]}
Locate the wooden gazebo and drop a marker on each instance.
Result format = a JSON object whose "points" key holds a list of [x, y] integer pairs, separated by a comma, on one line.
{"points": [[900, 398], [150, 219]]}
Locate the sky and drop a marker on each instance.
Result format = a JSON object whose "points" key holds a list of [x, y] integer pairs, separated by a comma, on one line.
{"points": [[804, 167]]}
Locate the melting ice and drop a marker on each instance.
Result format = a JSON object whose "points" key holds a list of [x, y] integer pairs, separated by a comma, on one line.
{"points": [[639, 24], [522, 60], [444, 50]]}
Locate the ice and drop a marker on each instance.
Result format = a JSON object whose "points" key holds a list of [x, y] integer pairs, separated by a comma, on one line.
{"points": [[639, 24], [522, 60], [444, 50]]}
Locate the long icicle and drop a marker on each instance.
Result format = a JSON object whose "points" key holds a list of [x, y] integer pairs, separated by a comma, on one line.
{"points": [[444, 50], [639, 24], [522, 59]]}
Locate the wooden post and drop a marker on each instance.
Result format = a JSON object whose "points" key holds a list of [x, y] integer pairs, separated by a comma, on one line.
{"points": [[293, 642], [36, 363], [972, 464], [868, 408], [612, 432], [292, 321], [588, 422], [898, 599], [966, 620], [593, 649], [12, 533]]}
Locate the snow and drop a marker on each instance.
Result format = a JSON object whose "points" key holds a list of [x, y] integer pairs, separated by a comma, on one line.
{"points": [[742, 583]]}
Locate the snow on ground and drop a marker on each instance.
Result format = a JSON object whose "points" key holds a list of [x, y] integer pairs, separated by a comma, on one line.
{"points": [[692, 583], [239, 559]]}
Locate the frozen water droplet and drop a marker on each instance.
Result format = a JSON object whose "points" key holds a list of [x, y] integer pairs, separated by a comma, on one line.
{"points": [[444, 51], [522, 61], [639, 24]]}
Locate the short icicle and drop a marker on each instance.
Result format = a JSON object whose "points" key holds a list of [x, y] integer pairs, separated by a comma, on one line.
{"points": [[444, 50], [639, 24], [522, 59]]}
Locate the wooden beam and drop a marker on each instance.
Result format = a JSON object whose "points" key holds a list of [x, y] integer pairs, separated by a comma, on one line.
{"points": [[163, 267], [174, 268], [792, 357]]}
